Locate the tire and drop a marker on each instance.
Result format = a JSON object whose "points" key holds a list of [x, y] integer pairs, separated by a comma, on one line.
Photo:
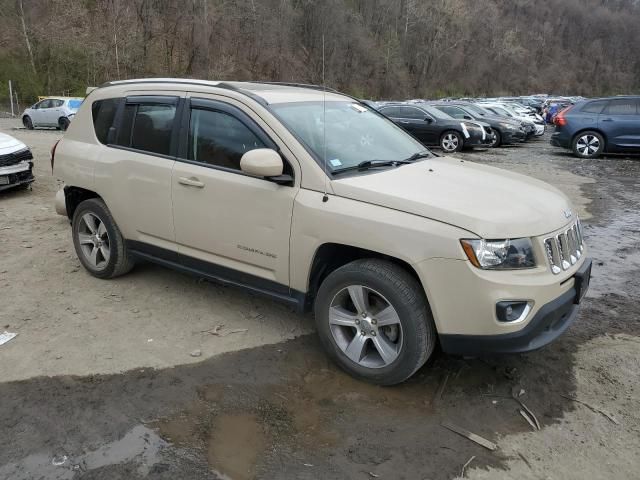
{"points": [[26, 121], [63, 124], [106, 244], [451, 142], [497, 141], [588, 144], [355, 341]]}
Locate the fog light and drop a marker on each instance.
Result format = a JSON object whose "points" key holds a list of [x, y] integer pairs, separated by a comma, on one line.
{"points": [[512, 311]]}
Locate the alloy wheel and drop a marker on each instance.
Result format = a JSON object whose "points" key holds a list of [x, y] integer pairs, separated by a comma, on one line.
{"points": [[94, 240], [588, 145], [365, 326], [450, 142]]}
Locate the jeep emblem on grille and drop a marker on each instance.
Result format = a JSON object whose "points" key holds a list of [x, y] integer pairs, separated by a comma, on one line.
{"points": [[567, 214]]}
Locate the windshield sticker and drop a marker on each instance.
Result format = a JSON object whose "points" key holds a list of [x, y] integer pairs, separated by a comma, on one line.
{"points": [[358, 108], [335, 162]]}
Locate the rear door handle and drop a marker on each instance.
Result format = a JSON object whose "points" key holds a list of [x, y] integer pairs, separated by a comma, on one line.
{"points": [[607, 119], [404, 122], [190, 182]]}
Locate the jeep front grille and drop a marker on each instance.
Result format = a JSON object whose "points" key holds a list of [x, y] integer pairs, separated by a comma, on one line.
{"points": [[565, 249]]}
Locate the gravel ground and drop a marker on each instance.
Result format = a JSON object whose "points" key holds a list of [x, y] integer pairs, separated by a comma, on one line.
{"points": [[100, 383]]}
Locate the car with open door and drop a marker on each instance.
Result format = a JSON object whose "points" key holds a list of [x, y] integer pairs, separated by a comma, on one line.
{"points": [[315, 199], [434, 128]]}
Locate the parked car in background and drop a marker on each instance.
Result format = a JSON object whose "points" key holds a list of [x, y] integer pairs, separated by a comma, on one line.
{"points": [[604, 125], [531, 126], [51, 112], [16, 163], [505, 130], [435, 128]]}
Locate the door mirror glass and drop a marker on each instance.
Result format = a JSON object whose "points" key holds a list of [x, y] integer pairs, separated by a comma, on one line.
{"points": [[262, 162]]}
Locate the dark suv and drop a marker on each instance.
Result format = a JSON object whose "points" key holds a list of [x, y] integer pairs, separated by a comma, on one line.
{"points": [[604, 125]]}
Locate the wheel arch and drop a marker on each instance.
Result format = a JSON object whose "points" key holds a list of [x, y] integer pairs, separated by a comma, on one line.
{"points": [[331, 256], [73, 196]]}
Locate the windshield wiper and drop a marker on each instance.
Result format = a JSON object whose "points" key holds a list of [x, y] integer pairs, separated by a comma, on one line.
{"points": [[367, 164], [419, 155]]}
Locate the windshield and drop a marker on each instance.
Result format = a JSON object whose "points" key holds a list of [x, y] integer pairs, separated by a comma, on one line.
{"points": [[478, 110], [354, 133], [501, 111], [75, 104]]}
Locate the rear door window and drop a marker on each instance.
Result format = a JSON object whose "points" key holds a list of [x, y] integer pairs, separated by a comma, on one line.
{"points": [[391, 111], [594, 107], [621, 106], [147, 126], [413, 113]]}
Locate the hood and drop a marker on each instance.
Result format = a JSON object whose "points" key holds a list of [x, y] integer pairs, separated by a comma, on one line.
{"points": [[487, 201], [498, 118], [8, 144]]}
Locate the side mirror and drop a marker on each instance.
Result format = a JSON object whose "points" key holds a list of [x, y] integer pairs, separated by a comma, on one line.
{"points": [[428, 119], [467, 117], [265, 162]]}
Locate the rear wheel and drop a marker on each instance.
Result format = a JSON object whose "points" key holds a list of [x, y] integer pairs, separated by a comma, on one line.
{"points": [[588, 144], [63, 123], [26, 121], [374, 321], [451, 141], [98, 242]]}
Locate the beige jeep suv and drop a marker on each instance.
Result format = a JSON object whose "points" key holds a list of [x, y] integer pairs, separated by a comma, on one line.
{"points": [[313, 198]]}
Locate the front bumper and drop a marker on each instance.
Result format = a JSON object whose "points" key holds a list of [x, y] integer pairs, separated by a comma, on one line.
{"points": [[15, 175], [551, 321], [513, 136]]}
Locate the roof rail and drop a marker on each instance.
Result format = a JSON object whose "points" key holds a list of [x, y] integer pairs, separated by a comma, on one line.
{"points": [[188, 81], [299, 85]]}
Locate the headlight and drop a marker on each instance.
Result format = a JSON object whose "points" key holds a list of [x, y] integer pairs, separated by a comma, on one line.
{"points": [[500, 254], [508, 126]]}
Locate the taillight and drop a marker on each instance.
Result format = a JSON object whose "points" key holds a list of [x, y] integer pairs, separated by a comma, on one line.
{"points": [[560, 119], [53, 154]]}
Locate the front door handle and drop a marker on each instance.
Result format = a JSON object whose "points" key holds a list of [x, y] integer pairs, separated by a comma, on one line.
{"points": [[404, 122], [190, 182], [607, 119]]}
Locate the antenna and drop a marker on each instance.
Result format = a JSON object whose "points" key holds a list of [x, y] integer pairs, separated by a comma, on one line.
{"points": [[325, 197]]}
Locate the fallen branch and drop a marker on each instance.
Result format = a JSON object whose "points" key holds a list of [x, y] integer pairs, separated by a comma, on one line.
{"points": [[466, 465]]}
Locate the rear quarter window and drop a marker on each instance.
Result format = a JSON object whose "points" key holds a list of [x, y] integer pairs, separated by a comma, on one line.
{"points": [[104, 112]]}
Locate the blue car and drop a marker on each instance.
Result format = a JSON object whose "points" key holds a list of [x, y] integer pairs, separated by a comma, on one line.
{"points": [[603, 125]]}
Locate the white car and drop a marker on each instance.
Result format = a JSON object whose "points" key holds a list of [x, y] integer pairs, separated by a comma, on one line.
{"points": [[51, 112], [16, 163]]}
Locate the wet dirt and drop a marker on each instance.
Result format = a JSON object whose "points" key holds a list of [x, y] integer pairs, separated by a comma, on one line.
{"points": [[284, 411]]}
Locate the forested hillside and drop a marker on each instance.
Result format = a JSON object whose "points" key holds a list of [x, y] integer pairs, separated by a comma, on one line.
{"points": [[374, 48]]}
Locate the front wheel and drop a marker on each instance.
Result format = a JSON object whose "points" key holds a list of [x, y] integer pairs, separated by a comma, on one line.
{"points": [[451, 142], [374, 321], [588, 144], [26, 121], [497, 139]]}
